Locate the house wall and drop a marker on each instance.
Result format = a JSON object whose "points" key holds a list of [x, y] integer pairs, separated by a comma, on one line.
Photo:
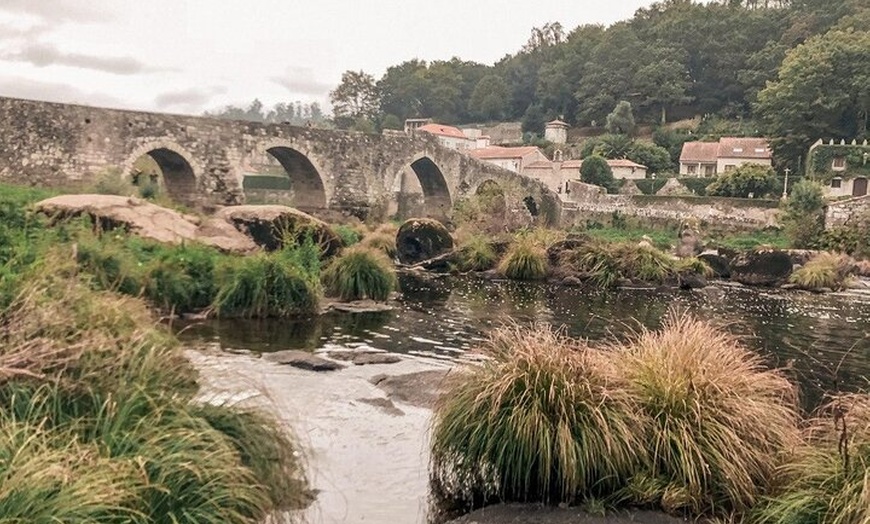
{"points": [[550, 176], [846, 188], [556, 134], [700, 170], [632, 173], [724, 161], [458, 144]]}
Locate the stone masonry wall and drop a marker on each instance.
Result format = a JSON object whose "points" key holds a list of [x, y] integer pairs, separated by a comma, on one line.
{"points": [[847, 211]]}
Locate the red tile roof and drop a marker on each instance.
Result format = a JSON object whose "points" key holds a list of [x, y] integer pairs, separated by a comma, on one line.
{"points": [[700, 152], [442, 130], [540, 164], [731, 147], [624, 162], [502, 152]]}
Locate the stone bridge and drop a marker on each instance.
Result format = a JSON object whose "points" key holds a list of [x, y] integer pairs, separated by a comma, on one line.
{"points": [[208, 162]]}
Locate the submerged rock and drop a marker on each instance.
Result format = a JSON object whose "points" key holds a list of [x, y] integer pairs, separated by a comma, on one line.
{"points": [[267, 225], [419, 389], [762, 267], [421, 239], [147, 220], [302, 360]]}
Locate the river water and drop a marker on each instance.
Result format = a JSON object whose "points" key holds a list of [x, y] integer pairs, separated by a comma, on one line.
{"points": [[371, 466], [823, 340]]}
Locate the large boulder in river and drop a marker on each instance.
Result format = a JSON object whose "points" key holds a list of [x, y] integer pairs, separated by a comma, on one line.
{"points": [[147, 220], [762, 267], [270, 225], [719, 264], [420, 239]]}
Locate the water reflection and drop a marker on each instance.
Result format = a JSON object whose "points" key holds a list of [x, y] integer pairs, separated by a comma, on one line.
{"points": [[822, 340]]}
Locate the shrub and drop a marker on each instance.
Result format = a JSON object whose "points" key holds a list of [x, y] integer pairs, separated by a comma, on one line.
{"points": [[595, 170], [348, 235], [183, 278], [111, 182], [694, 265], [803, 214], [266, 285], [542, 419], [360, 273], [606, 263], [524, 260], [826, 481], [745, 180], [717, 421], [825, 270], [477, 254], [384, 242]]}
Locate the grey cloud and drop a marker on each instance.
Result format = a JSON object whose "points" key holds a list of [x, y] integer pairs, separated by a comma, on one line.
{"points": [[57, 10], [56, 92], [43, 55], [193, 97], [300, 80]]}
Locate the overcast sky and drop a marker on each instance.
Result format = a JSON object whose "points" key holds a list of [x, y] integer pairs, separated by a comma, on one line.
{"points": [[186, 56]]}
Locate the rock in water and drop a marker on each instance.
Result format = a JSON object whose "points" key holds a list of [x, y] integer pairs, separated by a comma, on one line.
{"points": [[268, 225], [719, 264], [763, 267], [420, 239], [302, 360]]}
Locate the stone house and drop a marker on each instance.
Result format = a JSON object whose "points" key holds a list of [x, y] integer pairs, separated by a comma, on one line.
{"points": [[706, 159], [449, 136], [842, 169], [556, 132], [626, 169], [555, 175], [511, 158]]}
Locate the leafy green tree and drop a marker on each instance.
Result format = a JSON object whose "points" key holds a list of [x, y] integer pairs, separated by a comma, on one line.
{"points": [[403, 88], [748, 179], [594, 170], [663, 83], [621, 120], [489, 101], [823, 90], [391, 122], [655, 158], [803, 214], [355, 99], [608, 146]]}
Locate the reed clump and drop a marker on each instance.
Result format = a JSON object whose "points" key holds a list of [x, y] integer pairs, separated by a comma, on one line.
{"points": [[824, 271], [382, 241], [360, 273], [476, 254], [525, 259]]}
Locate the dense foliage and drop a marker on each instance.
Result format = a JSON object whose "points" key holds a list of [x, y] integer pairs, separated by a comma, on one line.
{"points": [[746, 181]]}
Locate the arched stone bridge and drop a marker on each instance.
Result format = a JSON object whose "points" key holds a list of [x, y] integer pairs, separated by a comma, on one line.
{"points": [[206, 162]]}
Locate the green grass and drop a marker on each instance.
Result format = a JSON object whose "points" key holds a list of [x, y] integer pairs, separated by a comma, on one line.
{"points": [[476, 254], [752, 240], [824, 271], [694, 265], [828, 479], [101, 422], [661, 238], [524, 260], [360, 273], [718, 422], [539, 420], [349, 235], [604, 264], [382, 241]]}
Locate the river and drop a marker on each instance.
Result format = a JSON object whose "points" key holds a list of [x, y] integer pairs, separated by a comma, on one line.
{"points": [[370, 465]]}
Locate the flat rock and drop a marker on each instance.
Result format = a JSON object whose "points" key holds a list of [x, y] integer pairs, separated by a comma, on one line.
{"points": [[537, 514], [302, 360], [268, 224], [358, 306], [386, 405], [419, 389], [147, 220], [364, 359], [762, 267]]}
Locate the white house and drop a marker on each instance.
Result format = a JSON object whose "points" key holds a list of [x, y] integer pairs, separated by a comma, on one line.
{"points": [[706, 159], [843, 166], [624, 168], [511, 158], [449, 136]]}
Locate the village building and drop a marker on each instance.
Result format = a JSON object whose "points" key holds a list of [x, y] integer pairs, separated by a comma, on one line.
{"points": [[412, 124], [555, 175], [511, 158], [842, 168], [705, 159], [556, 132], [449, 136], [626, 169]]}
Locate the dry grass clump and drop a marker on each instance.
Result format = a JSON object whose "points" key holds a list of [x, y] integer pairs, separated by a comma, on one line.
{"points": [[606, 263], [694, 265], [718, 421], [101, 422], [545, 418], [824, 271], [382, 241], [525, 259], [828, 479]]}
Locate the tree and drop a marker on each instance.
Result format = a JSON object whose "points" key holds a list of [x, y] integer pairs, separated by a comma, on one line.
{"points": [[663, 83], [822, 91], [656, 158], [550, 34], [489, 99], [608, 146], [621, 120], [595, 170], [803, 214], [744, 181], [355, 98]]}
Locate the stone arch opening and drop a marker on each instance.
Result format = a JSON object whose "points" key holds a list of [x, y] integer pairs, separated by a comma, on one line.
{"points": [[532, 206], [436, 195], [163, 169], [296, 182]]}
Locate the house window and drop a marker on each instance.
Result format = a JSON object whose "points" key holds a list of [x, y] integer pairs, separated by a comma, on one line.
{"points": [[709, 170], [836, 183], [839, 163], [729, 167], [691, 169]]}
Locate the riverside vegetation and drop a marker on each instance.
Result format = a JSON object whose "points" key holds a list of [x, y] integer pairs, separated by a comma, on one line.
{"points": [[685, 419]]}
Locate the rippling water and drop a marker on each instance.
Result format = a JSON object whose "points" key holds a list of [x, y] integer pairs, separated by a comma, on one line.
{"points": [[824, 340]]}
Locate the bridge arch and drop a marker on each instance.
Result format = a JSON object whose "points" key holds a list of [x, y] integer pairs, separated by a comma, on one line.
{"points": [[437, 202], [306, 188], [179, 172]]}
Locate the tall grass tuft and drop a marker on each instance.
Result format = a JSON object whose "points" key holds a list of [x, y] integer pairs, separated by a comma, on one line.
{"points": [[543, 418], [605, 264], [825, 270], [718, 421], [382, 241], [360, 273], [828, 479], [694, 265], [477, 254], [524, 260], [349, 235]]}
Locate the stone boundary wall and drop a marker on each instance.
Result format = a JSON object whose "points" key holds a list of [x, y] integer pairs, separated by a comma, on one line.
{"points": [[714, 212], [846, 211]]}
